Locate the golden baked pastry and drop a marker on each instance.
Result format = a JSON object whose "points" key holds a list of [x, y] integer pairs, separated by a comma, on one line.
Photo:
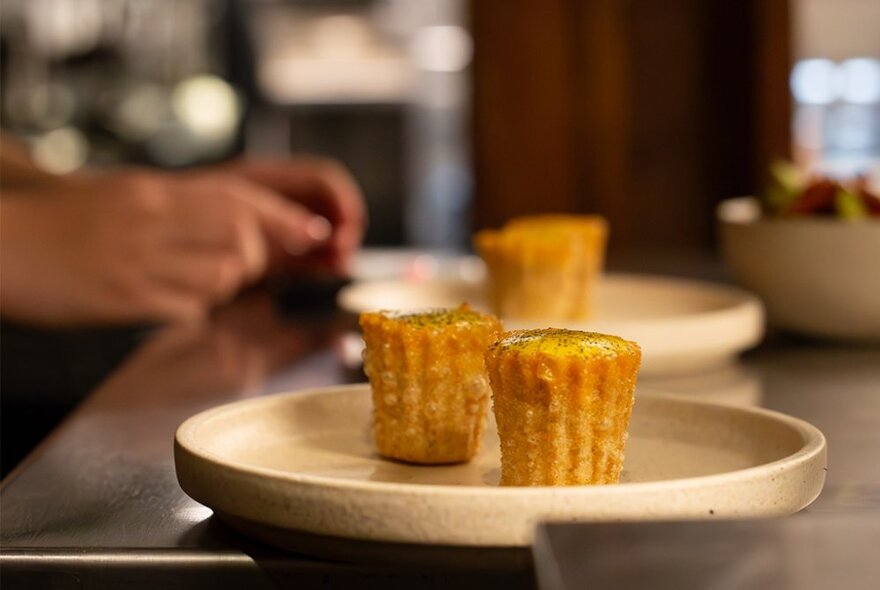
{"points": [[428, 376], [544, 266], [562, 400]]}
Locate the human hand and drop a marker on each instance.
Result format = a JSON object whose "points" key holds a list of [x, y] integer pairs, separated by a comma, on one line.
{"points": [[142, 246], [323, 187]]}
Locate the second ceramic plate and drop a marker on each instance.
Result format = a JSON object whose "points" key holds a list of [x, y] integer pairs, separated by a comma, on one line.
{"points": [[682, 325]]}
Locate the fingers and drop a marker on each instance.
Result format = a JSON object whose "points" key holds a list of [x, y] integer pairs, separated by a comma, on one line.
{"points": [[173, 306], [251, 246], [211, 276], [220, 234], [337, 190], [217, 212], [185, 285], [153, 301], [220, 210], [293, 227], [324, 187]]}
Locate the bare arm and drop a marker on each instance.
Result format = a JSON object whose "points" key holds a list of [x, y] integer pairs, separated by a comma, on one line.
{"points": [[140, 245], [17, 170]]}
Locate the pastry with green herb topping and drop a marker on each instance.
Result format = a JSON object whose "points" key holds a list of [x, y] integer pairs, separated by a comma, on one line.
{"points": [[562, 400], [428, 377]]}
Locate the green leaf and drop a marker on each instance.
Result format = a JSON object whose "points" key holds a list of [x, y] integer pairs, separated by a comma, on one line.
{"points": [[787, 183], [849, 205]]}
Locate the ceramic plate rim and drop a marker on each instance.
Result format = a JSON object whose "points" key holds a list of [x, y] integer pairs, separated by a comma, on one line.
{"points": [[739, 297], [813, 444], [742, 303]]}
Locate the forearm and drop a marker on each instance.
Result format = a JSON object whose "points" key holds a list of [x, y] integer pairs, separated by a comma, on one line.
{"points": [[20, 283], [17, 170]]}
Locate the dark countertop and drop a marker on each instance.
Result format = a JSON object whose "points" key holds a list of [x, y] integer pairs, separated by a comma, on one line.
{"points": [[97, 504]]}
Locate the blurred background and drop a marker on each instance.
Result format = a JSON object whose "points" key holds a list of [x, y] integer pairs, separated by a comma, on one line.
{"points": [[455, 115], [381, 85]]}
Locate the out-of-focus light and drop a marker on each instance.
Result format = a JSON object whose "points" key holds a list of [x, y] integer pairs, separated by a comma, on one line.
{"points": [[442, 48], [860, 80], [175, 145], [852, 127], [472, 269], [206, 105], [351, 349], [59, 28], [385, 79], [340, 37], [422, 268], [139, 113], [813, 81], [193, 514], [61, 150]]}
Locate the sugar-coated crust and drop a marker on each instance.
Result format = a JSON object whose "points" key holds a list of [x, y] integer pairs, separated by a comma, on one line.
{"points": [[562, 406], [428, 377]]}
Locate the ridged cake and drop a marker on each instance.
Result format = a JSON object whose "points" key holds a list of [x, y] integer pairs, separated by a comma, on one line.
{"points": [[544, 266], [562, 400], [428, 377]]}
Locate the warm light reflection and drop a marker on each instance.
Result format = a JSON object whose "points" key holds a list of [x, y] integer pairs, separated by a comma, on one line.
{"points": [[340, 37], [193, 513], [442, 48], [61, 150], [140, 111], [207, 105]]}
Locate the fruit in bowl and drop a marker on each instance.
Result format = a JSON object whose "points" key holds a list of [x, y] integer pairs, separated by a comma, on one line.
{"points": [[794, 193], [811, 251]]}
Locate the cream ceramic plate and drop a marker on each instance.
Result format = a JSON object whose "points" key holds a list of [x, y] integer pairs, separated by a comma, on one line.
{"points": [[681, 325], [305, 462]]}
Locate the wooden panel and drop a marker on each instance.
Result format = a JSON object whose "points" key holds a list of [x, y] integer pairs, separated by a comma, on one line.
{"points": [[602, 121], [522, 109], [666, 158], [648, 112], [773, 58]]}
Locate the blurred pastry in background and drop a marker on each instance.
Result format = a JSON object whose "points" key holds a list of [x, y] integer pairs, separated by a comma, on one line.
{"points": [[545, 266]]}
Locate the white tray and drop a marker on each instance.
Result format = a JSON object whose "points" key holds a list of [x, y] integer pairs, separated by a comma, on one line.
{"points": [[306, 462], [682, 325]]}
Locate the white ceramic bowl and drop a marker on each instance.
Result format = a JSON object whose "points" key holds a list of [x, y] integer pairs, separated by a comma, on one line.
{"points": [[817, 276]]}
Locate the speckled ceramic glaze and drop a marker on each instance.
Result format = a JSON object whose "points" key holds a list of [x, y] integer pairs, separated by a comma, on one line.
{"points": [[305, 461], [681, 325]]}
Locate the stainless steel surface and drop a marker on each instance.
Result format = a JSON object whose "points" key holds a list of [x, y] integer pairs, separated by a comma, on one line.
{"points": [[106, 477], [798, 553], [833, 543], [98, 505]]}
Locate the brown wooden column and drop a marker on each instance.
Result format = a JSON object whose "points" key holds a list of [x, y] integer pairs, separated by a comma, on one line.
{"points": [[524, 108], [647, 112]]}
